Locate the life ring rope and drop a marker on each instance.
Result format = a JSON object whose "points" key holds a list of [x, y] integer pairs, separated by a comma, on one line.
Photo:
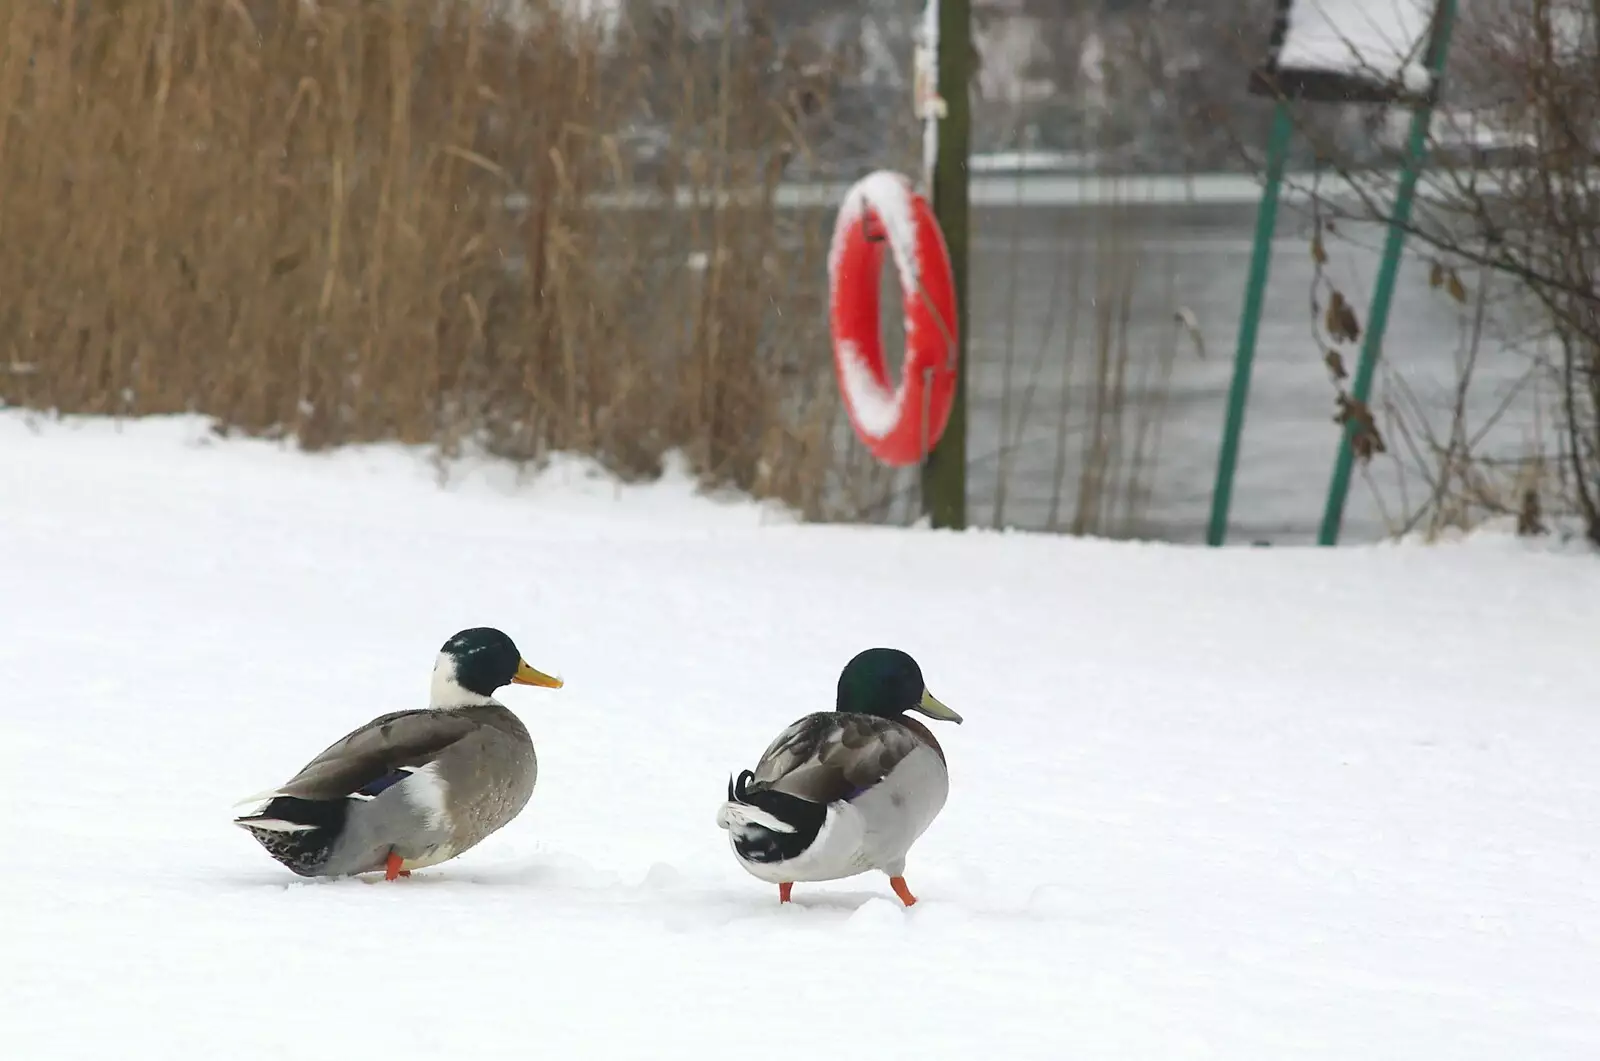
{"points": [[922, 294]]}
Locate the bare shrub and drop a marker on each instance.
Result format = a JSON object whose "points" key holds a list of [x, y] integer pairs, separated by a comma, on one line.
{"points": [[1508, 203], [1529, 64]]}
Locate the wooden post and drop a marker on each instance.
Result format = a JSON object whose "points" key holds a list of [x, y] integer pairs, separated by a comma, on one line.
{"points": [[944, 474]]}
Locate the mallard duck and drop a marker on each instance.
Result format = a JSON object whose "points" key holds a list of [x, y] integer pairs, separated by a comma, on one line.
{"points": [[844, 791], [411, 788]]}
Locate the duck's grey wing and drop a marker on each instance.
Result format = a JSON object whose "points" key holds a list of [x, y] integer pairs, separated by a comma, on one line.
{"points": [[369, 759], [833, 755]]}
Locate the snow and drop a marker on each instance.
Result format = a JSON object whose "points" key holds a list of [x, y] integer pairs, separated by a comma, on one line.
{"points": [[927, 104], [1383, 38], [876, 408], [1006, 190], [1033, 161], [1249, 804], [888, 195]]}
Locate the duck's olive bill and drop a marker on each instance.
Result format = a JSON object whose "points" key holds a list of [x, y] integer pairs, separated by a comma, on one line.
{"points": [[931, 707]]}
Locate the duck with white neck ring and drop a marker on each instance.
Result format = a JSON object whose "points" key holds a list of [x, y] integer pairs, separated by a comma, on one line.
{"points": [[411, 788]]}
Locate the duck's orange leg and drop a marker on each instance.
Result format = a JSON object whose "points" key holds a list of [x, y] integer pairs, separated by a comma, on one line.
{"points": [[900, 889], [391, 867], [783, 891]]}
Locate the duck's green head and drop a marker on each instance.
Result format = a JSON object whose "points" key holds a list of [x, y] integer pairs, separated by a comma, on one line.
{"points": [[887, 682], [476, 662]]}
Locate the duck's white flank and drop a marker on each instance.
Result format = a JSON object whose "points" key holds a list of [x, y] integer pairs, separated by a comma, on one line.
{"points": [[429, 793]]}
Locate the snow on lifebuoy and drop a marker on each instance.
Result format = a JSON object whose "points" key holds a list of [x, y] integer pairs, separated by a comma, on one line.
{"points": [[899, 424]]}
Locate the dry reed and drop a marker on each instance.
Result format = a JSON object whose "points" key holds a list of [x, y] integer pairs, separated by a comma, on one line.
{"points": [[363, 220]]}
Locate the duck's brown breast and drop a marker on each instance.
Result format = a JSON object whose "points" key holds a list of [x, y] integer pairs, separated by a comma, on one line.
{"points": [[923, 733]]}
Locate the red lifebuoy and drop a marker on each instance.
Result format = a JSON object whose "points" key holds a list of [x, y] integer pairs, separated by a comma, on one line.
{"points": [[898, 423]]}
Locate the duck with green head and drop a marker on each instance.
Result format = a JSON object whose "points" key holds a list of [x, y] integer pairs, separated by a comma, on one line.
{"points": [[411, 788], [845, 791]]}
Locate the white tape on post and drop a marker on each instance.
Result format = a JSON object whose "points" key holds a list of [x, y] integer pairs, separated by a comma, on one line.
{"points": [[926, 102]]}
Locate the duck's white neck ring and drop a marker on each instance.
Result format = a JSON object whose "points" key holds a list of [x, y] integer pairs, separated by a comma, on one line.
{"points": [[447, 692]]}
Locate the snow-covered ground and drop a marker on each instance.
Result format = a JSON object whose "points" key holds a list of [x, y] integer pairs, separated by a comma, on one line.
{"points": [[1239, 804]]}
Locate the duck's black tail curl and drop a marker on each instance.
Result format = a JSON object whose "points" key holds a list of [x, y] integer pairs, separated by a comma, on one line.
{"points": [[739, 787], [767, 825]]}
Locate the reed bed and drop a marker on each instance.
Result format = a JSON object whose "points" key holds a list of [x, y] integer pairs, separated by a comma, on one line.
{"points": [[355, 220]]}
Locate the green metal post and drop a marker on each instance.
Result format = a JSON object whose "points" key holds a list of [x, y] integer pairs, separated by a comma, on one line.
{"points": [[1250, 321], [944, 474], [1388, 267]]}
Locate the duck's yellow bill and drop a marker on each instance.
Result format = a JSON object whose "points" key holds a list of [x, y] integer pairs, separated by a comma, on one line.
{"points": [[931, 707], [526, 675]]}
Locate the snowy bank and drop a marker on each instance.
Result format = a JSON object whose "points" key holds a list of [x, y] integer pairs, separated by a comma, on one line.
{"points": [[1241, 803]]}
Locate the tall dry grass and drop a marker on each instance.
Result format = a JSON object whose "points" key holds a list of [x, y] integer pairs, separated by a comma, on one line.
{"points": [[364, 220], [1081, 399]]}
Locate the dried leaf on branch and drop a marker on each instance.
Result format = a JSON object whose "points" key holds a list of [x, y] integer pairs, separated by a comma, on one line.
{"points": [[1340, 320], [1366, 441], [1445, 276], [1335, 363]]}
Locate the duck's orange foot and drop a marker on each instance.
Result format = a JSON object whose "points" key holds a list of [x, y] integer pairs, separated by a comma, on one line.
{"points": [[900, 889], [783, 891], [391, 867]]}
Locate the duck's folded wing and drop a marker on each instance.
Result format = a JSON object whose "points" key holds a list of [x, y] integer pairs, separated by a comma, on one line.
{"points": [[830, 755], [378, 754]]}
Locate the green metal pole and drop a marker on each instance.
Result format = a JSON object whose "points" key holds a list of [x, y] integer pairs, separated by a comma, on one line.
{"points": [[1388, 267], [1250, 321], [944, 474]]}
